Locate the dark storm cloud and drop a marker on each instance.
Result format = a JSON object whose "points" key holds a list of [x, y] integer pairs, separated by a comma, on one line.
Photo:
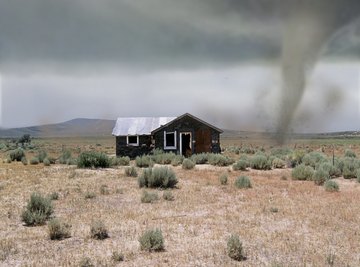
{"points": [[120, 32], [149, 33]]}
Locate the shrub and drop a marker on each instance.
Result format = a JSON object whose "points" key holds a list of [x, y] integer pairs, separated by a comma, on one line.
{"points": [[54, 196], [243, 182], [41, 155], [320, 176], [240, 165], [188, 164], [17, 154], [46, 162], [160, 157], [219, 160], [104, 189], [34, 161], [152, 240], [86, 262], [349, 153], [38, 210], [274, 210], [281, 152], [58, 230], [90, 195], [92, 159], [358, 175], [65, 157], [223, 179], [177, 160], [333, 171], [147, 197], [98, 230], [52, 160], [120, 161], [24, 161], [24, 139], [247, 150], [144, 162], [313, 159], [234, 248], [167, 195], [117, 256], [144, 177], [260, 162], [302, 172], [349, 169], [278, 163], [131, 171], [72, 161], [162, 177], [331, 186], [201, 158], [296, 157]]}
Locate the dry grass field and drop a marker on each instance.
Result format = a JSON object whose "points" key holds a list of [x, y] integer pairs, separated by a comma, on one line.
{"points": [[280, 221]]}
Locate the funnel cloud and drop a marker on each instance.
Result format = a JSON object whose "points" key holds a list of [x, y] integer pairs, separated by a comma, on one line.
{"points": [[309, 26]]}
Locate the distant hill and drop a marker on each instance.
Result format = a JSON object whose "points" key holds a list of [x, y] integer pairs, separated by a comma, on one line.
{"points": [[99, 127], [75, 127]]}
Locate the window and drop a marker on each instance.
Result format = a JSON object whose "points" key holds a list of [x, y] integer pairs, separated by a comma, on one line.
{"points": [[170, 140], [132, 140]]}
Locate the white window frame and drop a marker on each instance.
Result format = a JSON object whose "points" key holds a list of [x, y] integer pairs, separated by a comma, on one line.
{"points": [[175, 135], [132, 144]]}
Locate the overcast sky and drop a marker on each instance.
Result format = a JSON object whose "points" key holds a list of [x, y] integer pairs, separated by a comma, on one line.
{"points": [[220, 60]]}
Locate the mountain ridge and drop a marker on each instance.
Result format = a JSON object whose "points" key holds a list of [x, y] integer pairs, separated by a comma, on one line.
{"points": [[70, 128]]}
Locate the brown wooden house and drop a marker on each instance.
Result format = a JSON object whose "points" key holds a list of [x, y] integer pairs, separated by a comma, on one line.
{"points": [[184, 135]]}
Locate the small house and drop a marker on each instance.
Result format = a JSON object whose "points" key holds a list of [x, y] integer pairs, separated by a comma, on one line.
{"points": [[184, 135]]}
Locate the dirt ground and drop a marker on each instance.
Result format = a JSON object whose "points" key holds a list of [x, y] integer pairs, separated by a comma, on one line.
{"points": [[310, 226], [281, 222]]}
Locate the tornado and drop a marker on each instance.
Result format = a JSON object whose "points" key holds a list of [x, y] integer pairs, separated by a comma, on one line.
{"points": [[309, 26]]}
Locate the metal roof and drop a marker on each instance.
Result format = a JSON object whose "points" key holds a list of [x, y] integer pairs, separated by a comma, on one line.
{"points": [[139, 125], [188, 115]]}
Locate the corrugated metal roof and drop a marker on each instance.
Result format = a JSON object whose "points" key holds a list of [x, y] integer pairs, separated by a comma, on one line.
{"points": [[139, 125]]}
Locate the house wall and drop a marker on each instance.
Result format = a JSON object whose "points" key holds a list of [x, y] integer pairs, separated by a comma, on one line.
{"points": [[123, 149], [187, 124]]}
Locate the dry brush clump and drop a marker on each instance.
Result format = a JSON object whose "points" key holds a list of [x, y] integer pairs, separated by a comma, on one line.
{"points": [[240, 165], [223, 178], [131, 171], [260, 162], [320, 177], [38, 210], [331, 186], [17, 154], [93, 159], [302, 172], [144, 161], [98, 230], [152, 240], [58, 229], [149, 197], [235, 248], [158, 177], [117, 256], [243, 182], [167, 195], [188, 164], [120, 161]]}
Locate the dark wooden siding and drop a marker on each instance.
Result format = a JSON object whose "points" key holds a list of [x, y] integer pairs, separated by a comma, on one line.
{"points": [[188, 124], [122, 149]]}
